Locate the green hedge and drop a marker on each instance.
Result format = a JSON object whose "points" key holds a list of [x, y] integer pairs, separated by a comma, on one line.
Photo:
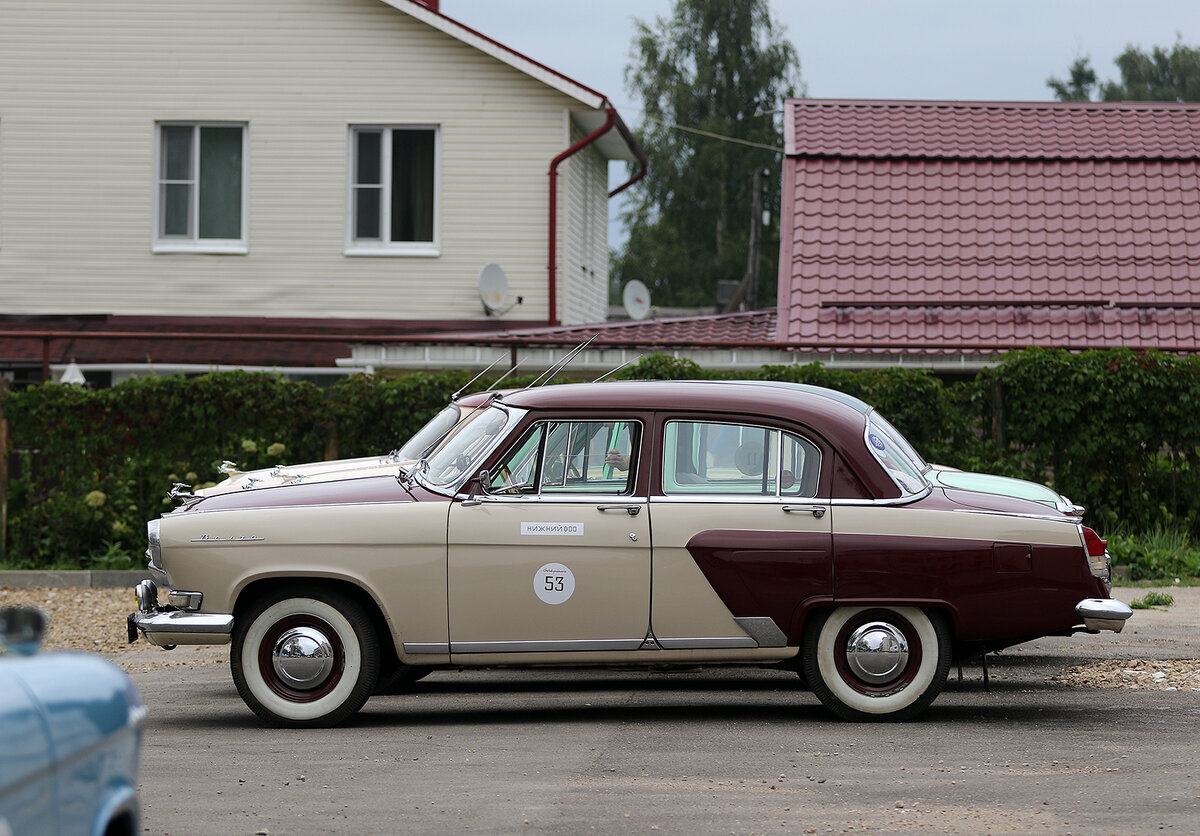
{"points": [[1114, 430]]}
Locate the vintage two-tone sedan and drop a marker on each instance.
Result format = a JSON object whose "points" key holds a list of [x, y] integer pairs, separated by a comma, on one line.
{"points": [[627, 523]]}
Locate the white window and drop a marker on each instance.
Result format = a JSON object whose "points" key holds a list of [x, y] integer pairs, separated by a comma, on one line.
{"points": [[393, 182], [200, 199]]}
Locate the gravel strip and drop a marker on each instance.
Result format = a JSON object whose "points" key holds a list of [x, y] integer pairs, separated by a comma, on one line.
{"points": [[94, 620], [1138, 674]]}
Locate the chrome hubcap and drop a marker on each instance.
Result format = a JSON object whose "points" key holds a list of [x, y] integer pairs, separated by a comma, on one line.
{"points": [[302, 658], [877, 652]]}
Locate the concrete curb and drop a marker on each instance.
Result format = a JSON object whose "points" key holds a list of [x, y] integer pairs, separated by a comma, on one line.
{"points": [[80, 579]]}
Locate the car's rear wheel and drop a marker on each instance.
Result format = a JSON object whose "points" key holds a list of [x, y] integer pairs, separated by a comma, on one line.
{"points": [[876, 663], [303, 657]]}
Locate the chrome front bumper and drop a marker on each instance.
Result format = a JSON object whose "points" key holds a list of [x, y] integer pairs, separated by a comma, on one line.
{"points": [[168, 626], [1103, 613]]}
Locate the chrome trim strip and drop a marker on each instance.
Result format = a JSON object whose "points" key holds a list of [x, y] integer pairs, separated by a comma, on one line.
{"points": [[260, 509], [1020, 514], [546, 646], [416, 648], [899, 500], [608, 499], [708, 643], [735, 499], [763, 630]]}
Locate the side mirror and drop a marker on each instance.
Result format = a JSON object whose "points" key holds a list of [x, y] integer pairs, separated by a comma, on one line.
{"points": [[482, 480], [22, 629]]}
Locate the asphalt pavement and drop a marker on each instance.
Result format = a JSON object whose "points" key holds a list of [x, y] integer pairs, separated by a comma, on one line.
{"points": [[709, 751]]}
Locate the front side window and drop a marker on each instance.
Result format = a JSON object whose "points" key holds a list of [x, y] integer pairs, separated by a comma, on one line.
{"points": [[702, 457], [200, 197], [393, 190], [570, 457]]}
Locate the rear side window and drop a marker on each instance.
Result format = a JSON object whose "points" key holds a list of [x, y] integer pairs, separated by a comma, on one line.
{"points": [[719, 458]]}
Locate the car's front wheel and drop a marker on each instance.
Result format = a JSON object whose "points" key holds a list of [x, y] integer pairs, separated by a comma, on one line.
{"points": [[876, 663], [303, 657]]}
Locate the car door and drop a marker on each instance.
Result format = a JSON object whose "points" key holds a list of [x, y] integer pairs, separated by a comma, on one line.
{"points": [[742, 533], [552, 554]]}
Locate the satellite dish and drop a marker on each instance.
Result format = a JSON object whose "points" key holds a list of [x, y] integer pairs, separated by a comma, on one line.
{"points": [[493, 289], [636, 298]]}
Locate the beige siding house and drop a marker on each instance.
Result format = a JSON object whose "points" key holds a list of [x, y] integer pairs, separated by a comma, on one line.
{"points": [[313, 164]]}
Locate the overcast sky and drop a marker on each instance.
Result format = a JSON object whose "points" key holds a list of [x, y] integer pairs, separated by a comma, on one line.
{"points": [[864, 49]]}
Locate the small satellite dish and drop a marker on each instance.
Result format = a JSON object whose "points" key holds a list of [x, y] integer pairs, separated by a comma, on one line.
{"points": [[636, 298], [493, 289]]}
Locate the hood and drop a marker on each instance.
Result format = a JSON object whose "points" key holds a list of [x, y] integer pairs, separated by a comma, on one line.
{"points": [[356, 488], [238, 480]]}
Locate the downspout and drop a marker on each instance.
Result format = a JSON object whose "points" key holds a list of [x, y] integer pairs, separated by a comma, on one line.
{"points": [[610, 122]]}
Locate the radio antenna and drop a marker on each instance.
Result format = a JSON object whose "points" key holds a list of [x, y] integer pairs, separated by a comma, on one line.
{"points": [[511, 369], [454, 397], [562, 364], [618, 368]]}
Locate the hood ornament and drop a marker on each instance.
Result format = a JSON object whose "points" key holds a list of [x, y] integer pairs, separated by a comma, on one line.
{"points": [[182, 493]]}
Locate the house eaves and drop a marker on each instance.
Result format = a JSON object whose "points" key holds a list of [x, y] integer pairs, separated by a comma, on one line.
{"points": [[614, 146]]}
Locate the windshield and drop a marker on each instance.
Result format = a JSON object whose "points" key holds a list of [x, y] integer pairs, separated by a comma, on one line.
{"points": [[465, 446], [426, 438], [892, 451]]}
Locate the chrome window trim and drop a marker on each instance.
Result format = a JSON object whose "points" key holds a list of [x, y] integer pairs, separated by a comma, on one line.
{"points": [[558, 498], [759, 499], [736, 499], [896, 500]]}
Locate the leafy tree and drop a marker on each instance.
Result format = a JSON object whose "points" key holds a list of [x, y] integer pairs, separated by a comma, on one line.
{"points": [[1159, 75], [714, 69]]}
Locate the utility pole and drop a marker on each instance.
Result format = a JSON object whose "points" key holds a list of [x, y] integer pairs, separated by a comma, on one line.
{"points": [[746, 296]]}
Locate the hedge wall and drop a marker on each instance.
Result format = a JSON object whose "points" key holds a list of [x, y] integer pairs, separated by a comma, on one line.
{"points": [[1114, 430]]}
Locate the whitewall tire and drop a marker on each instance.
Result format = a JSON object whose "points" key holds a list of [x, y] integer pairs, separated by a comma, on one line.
{"points": [[302, 657], [876, 663]]}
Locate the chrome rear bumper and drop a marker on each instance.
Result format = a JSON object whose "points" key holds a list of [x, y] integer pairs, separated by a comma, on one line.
{"points": [[1103, 613], [169, 626]]}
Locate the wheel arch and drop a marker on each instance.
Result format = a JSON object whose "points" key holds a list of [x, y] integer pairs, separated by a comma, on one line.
{"points": [[257, 588], [806, 610]]}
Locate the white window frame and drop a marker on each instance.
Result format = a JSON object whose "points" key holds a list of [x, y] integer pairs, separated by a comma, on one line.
{"points": [[390, 248], [192, 243]]}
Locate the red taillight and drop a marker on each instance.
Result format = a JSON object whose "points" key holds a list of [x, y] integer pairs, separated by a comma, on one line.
{"points": [[1095, 546]]}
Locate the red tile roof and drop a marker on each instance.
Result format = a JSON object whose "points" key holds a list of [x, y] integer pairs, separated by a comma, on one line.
{"points": [[980, 226], [993, 130]]}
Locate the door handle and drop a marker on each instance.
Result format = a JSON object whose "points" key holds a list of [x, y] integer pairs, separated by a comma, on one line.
{"points": [[817, 511], [631, 510]]}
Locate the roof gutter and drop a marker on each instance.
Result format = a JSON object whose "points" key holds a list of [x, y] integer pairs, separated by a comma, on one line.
{"points": [[612, 120]]}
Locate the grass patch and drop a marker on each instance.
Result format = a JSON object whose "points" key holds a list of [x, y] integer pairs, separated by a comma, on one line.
{"points": [[1151, 600]]}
